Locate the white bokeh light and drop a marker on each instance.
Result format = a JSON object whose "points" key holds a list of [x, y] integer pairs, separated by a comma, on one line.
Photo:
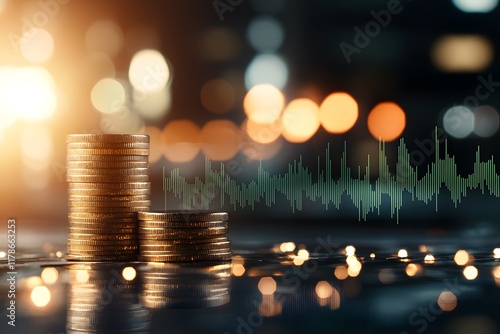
{"points": [[37, 47], [148, 71], [267, 68], [265, 34], [458, 121], [475, 6], [108, 96]]}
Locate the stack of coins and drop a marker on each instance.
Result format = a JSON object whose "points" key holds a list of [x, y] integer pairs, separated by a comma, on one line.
{"points": [[108, 184], [101, 300], [188, 285], [183, 236]]}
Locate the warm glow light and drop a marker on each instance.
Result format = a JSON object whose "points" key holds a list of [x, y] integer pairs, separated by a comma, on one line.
{"points": [[496, 253], [2, 254], [402, 253], [447, 301], [350, 259], [27, 93], [238, 269], [180, 140], [412, 269], [40, 296], [37, 147], [350, 250], [155, 143], [82, 276], [354, 269], [264, 104], [372, 256], [238, 259], [220, 140], [266, 69], [338, 112], [263, 133], [476, 6], [386, 121], [148, 71], [287, 247], [458, 121], [461, 257], [155, 105], [496, 272], [267, 285], [341, 272], [257, 151], [298, 261], [104, 36], [323, 289], [429, 258], [49, 275], [470, 272], [108, 96], [36, 45], [302, 253], [129, 273], [300, 120], [218, 96], [422, 248], [462, 53]]}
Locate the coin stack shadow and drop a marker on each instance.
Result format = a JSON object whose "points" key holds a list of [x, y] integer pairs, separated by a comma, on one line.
{"points": [[187, 285], [108, 184], [101, 300], [183, 236]]}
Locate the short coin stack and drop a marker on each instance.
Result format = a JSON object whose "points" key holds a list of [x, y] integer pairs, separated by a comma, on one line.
{"points": [[183, 236], [108, 184], [186, 285]]}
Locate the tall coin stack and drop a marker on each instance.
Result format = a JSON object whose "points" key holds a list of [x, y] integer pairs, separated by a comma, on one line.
{"points": [[183, 236], [108, 184]]}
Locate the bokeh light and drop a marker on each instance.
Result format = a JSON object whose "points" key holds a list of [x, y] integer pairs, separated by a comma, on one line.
{"points": [[40, 296], [261, 132], [265, 34], [155, 143], [496, 253], [340, 272], [97, 65], [287, 247], [27, 93], [338, 112], [476, 6], [218, 96], [386, 121], [458, 121], [267, 68], [386, 276], [486, 121], [122, 121], [470, 273], [402, 253], [220, 140], [238, 270], [300, 120], [37, 147], [447, 301], [49, 275], [267, 285], [429, 259], [323, 289], [104, 36], [264, 103], [461, 257], [108, 96], [148, 71], [180, 140], [36, 46], [129, 273], [153, 106], [82, 276], [350, 250], [462, 53], [257, 151], [413, 269]]}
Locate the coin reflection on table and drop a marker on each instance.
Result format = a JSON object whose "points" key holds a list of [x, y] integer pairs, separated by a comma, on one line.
{"points": [[103, 298], [185, 285]]}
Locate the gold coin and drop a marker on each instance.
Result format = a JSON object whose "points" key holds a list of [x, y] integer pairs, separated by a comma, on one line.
{"points": [[114, 185], [106, 178], [186, 258], [102, 236], [105, 210], [184, 215], [77, 230], [159, 234], [181, 247], [106, 158], [101, 249], [109, 192], [107, 171], [158, 224], [107, 151], [105, 221], [110, 204], [97, 215], [92, 258], [104, 198], [107, 165], [179, 241], [99, 145], [100, 242], [103, 138]]}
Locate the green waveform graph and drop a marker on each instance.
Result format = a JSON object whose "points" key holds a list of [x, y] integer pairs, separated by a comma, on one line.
{"points": [[299, 183]]}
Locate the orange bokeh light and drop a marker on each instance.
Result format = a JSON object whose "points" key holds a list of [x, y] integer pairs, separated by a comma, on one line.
{"points": [[262, 133], [180, 140], [300, 120], [220, 140], [264, 103], [338, 113], [386, 121], [218, 96]]}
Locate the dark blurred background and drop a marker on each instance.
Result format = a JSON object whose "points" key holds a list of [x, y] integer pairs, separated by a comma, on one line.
{"points": [[197, 76]]}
